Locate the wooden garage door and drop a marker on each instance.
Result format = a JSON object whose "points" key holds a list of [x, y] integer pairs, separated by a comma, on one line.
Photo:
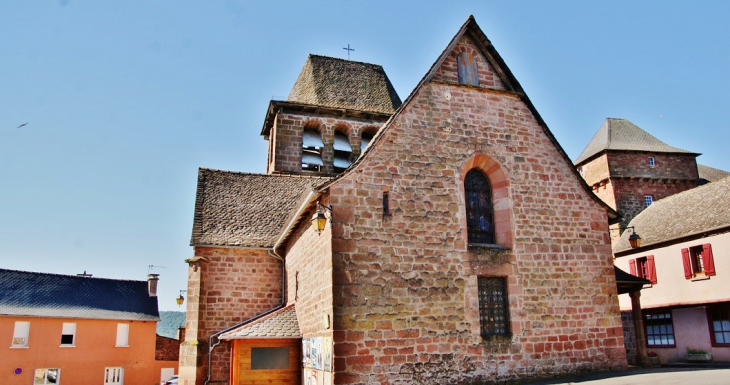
{"points": [[266, 361]]}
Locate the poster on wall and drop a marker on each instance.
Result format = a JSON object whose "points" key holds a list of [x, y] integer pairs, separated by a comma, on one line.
{"points": [[327, 353], [315, 351], [320, 353], [306, 355]]}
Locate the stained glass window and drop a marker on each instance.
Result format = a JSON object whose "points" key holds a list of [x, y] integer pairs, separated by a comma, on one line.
{"points": [[479, 217]]}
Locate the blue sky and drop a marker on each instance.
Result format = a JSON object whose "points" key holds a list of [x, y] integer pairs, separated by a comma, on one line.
{"points": [[124, 100]]}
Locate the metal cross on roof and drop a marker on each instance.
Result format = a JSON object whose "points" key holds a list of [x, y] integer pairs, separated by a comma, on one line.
{"points": [[348, 49]]}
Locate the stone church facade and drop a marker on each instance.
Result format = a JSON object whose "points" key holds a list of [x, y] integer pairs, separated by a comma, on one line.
{"points": [[461, 244]]}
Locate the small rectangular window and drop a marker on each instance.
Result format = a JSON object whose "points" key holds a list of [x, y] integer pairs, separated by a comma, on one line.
{"points": [[68, 334], [47, 376], [493, 307], [20, 334], [698, 261], [651, 161], [269, 358], [659, 329], [648, 200], [122, 335]]}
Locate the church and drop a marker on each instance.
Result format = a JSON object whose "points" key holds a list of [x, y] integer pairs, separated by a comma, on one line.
{"points": [[444, 239]]}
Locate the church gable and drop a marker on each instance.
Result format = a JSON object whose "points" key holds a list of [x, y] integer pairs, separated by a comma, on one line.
{"points": [[466, 64]]}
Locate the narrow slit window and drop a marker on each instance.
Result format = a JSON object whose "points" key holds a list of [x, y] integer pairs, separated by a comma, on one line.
{"points": [[386, 205]]}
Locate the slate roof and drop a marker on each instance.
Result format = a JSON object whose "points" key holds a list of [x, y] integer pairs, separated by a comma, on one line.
{"points": [[332, 82], [708, 174], [31, 294], [690, 212], [241, 209], [620, 134], [280, 324]]}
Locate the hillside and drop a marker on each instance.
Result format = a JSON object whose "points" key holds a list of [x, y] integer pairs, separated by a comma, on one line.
{"points": [[170, 321]]}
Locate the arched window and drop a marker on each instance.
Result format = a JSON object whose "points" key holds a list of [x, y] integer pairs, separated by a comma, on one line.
{"points": [[479, 210], [343, 152], [312, 151]]}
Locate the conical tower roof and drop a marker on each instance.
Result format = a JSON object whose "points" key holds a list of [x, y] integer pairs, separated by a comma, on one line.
{"points": [[622, 135]]}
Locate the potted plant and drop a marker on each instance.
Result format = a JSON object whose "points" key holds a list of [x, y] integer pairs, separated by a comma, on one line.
{"points": [[696, 355], [653, 358]]}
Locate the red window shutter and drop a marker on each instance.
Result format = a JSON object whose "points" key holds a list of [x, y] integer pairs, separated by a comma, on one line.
{"points": [[632, 267], [707, 259], [685, 262], [651, 269]]}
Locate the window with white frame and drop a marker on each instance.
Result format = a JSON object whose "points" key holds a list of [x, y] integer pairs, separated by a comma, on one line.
{"points": [[47, 376], [68, 334], [652, 163], [113, 376], [20, 334], [648, 200], [122, 335]]}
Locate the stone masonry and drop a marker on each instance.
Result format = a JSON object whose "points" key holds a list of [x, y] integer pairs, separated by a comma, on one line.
{"points": [[232, 286], [405, 296]]}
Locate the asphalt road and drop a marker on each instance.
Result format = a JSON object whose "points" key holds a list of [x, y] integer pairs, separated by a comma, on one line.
{"points": [[654, 376]]}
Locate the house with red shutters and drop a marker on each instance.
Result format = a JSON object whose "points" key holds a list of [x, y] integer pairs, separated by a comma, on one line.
{"points": [[445, 239], [685, 254]]}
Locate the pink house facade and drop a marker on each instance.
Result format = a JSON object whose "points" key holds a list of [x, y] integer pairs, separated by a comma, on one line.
{"points": [[686, 256]]}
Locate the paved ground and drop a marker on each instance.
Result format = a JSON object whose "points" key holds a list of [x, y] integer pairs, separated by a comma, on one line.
{"points": [[654, 376]]}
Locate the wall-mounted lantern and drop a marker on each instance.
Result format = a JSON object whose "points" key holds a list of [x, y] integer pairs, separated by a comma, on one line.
{"points": [[319, 219], [634, 238], [181, 298]]}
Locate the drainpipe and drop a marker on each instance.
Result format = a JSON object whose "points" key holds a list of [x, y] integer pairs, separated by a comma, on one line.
{"points": [[272, 252]]}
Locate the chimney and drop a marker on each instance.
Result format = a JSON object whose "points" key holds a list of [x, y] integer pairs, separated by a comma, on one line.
{"points": [[152, 284]]}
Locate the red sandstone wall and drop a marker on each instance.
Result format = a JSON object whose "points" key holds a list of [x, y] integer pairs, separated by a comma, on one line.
{"points": [[405, 285], [309, 279], [667, 166], [234, 285]]}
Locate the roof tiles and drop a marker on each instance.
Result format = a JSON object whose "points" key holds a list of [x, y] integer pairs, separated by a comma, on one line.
{"points": [[25, 293], [249, 210], [280, 324], [690, 212], [338, 83]]}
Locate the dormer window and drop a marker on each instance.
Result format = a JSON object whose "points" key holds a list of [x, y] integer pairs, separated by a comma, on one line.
{"points": [[651, 161], [343, 152], [312, 151], [467, 67]]}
